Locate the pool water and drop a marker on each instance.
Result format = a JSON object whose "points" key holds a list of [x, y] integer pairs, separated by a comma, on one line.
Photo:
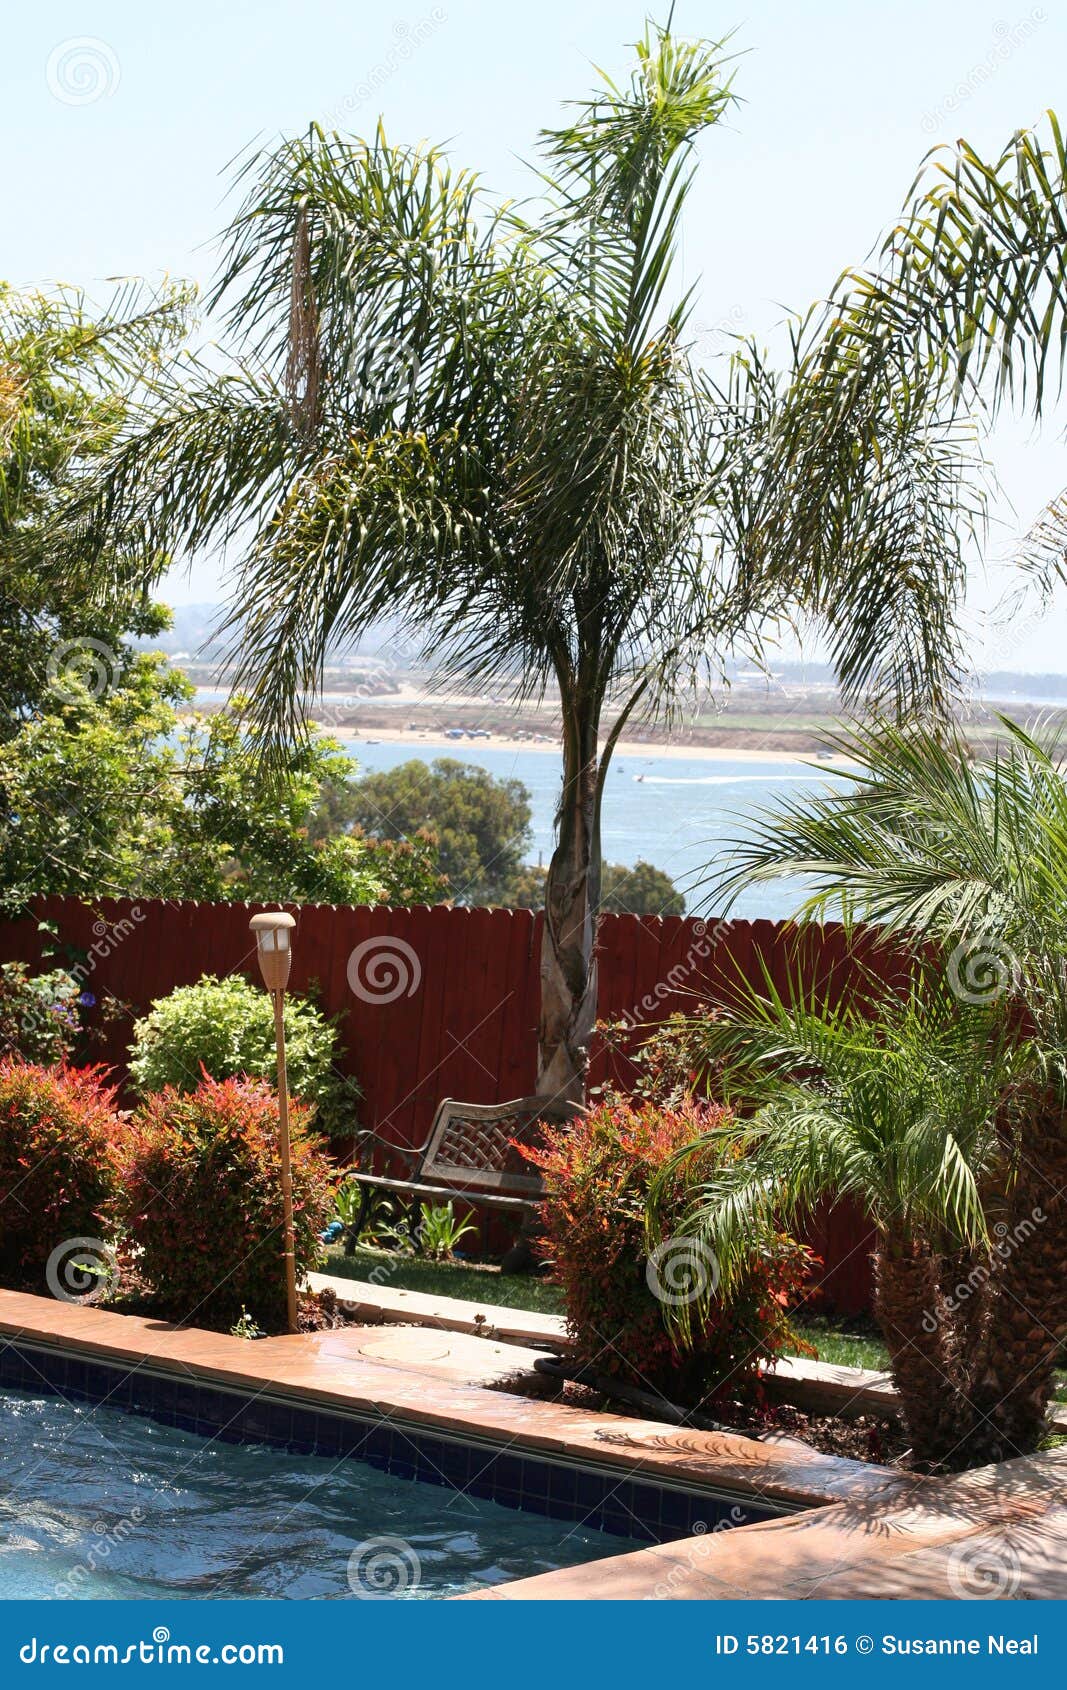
{"points": [[95, 1503]]}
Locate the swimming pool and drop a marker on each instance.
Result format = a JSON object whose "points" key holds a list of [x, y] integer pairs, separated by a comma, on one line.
{"points": [[97, 1503]]}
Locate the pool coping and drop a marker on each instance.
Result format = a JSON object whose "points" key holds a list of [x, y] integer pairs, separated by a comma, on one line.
{"points": [[315, 1368], [996, 1533]]}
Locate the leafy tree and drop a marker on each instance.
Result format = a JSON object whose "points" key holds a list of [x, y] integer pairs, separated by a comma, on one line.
{"points": [[226, 1028], [481, 824], [966, 307], [66, 379], [523, 464], [641, 890], [119, 795]]}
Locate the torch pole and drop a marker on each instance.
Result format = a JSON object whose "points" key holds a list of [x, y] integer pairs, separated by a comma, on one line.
{"points": [[289, 1232]]}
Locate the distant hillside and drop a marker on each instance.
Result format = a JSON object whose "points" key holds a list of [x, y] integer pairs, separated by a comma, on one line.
{"points": [[191, 639]]}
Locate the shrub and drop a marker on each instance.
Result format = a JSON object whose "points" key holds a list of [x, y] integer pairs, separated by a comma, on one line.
{"points": [[598, 1170], [58, 1131], [667, 1065], [226, 1028], [39, 1019], [202, 1197]]}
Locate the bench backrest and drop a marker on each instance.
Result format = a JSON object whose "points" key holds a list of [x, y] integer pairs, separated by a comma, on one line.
{"points": [[472, 1143]]}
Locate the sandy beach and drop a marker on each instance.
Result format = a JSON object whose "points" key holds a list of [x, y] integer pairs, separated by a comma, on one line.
{"points": [[423, 741]]}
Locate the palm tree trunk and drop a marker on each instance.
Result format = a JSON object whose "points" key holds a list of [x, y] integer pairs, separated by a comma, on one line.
{"points": [[1012, 1378], [568, 945], [919, 1334]]}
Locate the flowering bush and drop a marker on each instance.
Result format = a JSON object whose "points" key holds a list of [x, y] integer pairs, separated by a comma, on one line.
{"points": [[226, 1028], [39, 1019], [202, 1197], [58, 1131], [598, 1170]]}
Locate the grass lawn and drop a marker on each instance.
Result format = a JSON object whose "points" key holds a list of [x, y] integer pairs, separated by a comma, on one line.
{"points": [[837, 1342], [446, 1279]]}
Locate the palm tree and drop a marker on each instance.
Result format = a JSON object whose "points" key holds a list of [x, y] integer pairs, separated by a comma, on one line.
{"points": [[965, 862], [890, 1102], [486, 423], [969, 299]]}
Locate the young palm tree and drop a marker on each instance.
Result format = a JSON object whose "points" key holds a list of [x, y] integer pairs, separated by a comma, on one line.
{"points": [[487, 424], [965, 861], [892, 1103]]}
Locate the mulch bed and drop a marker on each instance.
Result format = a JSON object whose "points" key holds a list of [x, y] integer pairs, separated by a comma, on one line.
{"points": [[864, 1438]]}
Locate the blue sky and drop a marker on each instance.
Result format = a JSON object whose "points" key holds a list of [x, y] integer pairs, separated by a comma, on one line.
{"points": [[840, 102]]}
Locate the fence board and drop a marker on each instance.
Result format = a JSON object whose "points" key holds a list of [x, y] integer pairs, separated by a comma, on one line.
{"points": [[469, 1028]]}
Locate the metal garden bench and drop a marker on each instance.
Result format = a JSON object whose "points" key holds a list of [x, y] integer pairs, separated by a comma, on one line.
{"points": [[470, 1153]]}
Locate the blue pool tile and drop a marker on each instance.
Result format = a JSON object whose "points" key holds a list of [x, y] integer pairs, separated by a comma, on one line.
{"points": [[633, 1508]]}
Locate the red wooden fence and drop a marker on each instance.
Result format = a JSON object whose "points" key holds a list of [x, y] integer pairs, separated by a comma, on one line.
{"points": [[442, 1002]]}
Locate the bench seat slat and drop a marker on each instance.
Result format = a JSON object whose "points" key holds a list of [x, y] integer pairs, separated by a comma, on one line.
{"points": [[416, 1188]]}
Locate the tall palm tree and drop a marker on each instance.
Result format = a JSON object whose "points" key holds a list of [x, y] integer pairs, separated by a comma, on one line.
{"points": [[892, 1103], [965, 862], [486, 422]]}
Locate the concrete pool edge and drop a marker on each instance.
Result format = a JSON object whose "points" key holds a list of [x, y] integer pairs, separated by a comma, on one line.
{"points": [[997, 1534], [326, 1368]]}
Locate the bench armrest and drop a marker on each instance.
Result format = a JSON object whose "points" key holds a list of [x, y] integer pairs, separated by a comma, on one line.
{"points": [[369, 1141]]}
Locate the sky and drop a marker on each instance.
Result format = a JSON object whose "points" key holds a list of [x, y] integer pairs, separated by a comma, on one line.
{"points": [[121, 121]]}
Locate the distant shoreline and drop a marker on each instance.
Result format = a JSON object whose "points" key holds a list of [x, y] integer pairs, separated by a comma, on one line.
{"points": [[440, 746]]}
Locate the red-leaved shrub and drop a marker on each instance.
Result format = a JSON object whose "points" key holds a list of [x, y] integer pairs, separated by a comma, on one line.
{"points": [[57, 1164], [202, 1197], [598, 1170]]}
